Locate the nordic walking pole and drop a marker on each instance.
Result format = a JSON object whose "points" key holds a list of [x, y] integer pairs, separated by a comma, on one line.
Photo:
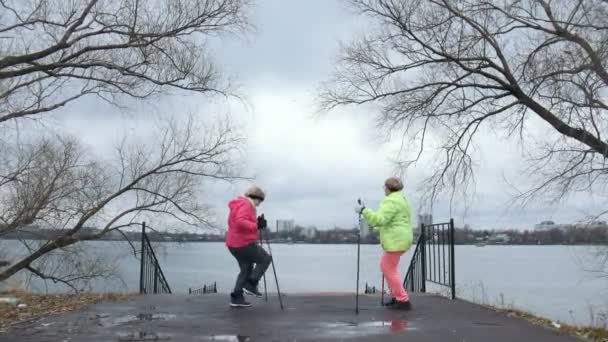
{"points": [[358, 258], [265, 290], [382, 297], [264, 276], [275, 273]]}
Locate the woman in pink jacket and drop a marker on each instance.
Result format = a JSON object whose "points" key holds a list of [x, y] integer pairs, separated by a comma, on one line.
{"points": [[241, 240]]}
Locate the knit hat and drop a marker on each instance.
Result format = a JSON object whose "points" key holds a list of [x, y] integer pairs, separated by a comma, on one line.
{"points": [[393, 184], [255, 193]]}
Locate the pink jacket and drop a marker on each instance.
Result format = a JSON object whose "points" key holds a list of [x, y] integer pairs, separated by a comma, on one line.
{"points": [[242, 223]]}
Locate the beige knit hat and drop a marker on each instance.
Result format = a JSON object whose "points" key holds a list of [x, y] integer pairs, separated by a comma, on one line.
{"points": [[255, 193], [393, 184]]}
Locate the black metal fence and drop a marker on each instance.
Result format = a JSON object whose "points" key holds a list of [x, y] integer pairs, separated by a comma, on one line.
{"points": [[433, 259], [415, 278], [151, 277], [204, 290]]}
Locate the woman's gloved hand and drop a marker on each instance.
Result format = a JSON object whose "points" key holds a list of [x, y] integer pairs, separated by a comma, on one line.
{"points": [[359, 207], [262, 223]]}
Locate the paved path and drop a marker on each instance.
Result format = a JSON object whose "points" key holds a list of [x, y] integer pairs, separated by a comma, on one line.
{"points": [[328, 317]]}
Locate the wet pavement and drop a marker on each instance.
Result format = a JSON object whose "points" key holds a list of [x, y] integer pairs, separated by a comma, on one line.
{"points": [[323, 317]]}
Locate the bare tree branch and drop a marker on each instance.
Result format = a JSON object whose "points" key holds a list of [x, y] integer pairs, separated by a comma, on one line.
{"points": [[443, 71], [54, 279], [56, 52], [58, 186]]}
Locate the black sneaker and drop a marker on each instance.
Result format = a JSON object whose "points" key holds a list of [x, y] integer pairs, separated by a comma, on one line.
{"points": [[238, 302], [391, 303], [252, 290], [405, 306]]}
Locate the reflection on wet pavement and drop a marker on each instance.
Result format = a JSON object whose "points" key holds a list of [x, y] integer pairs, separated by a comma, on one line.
{"points": [[229, 338], [108, 321], [143, 336], [349, 329]]}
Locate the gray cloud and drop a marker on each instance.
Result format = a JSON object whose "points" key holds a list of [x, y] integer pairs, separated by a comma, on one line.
{"points": [[313, 170]]}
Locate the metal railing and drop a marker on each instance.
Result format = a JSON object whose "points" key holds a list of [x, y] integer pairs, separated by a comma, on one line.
{"points": [[204, 290], [433, 259], [414, 278], [151, 277]]}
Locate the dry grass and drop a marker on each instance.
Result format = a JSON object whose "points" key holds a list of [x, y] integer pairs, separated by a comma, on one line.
{"points": [[587, 333], [49, 304]]}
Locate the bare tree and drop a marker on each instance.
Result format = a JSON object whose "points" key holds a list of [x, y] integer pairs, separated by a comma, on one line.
{"points": [[53, 52], [37, 176], [444, 71], [54, 183]]}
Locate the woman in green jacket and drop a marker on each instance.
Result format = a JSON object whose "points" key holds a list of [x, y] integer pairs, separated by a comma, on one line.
{"points": [[393, 221]]}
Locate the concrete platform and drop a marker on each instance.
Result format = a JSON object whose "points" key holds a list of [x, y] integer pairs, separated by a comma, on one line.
{"points": [[322, 317]]}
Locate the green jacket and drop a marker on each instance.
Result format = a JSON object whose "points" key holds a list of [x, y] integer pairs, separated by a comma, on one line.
{"points": [[394, 222]]}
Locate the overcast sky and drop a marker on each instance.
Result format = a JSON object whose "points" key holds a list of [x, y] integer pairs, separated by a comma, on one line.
{"points": [[313, 170]]}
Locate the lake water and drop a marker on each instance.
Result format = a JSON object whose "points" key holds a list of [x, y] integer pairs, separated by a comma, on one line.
{"points": [[546, 280]]}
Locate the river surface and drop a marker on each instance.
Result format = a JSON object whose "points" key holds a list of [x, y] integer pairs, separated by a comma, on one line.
{"points": [[550, 281]]}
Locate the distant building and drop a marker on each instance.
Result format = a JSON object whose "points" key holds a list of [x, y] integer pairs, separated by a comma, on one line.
{"points": [[285, 226], [500, 238], [545, 225], [426, 219], [309, 232]]}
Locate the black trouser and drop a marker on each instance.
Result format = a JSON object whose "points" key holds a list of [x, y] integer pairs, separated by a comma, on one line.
{"points": [[246, 257]]}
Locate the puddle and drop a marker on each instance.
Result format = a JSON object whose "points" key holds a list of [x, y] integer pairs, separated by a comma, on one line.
{"points": [[487, 324], [155, 317], [107, 321], [346, 329], [229, 338], [143, 336], [394, 326]]}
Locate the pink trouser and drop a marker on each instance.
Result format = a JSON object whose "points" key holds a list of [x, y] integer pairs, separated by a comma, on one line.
{"points": [[389, 265]]}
